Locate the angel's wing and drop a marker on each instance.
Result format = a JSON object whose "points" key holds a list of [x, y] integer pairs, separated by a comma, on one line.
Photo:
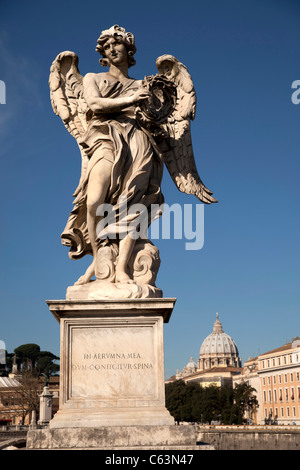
{"points": [[66, 94], [178, 153]]}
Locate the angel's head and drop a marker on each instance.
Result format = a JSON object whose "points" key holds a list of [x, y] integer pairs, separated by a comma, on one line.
{"points": [[120, 35]]}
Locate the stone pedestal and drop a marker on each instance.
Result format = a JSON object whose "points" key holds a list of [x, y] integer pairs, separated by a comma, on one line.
{"points": [[112, 362], [112, 391]]}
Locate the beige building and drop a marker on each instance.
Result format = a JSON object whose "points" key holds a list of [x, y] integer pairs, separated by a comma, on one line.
{"points": [[275, 375], [218, 376], [9, 411], [279, 373]]}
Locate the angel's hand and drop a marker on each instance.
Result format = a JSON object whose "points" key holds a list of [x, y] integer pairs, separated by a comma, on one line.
{"points": [[140, 95]]}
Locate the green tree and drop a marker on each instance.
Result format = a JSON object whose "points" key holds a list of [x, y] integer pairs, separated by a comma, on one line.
{"points": [[244, 399], [226, 396], [211, 404], [27, 354], [30, 356], [193, 403], [45, 364], [197, 402], [176, 398]]}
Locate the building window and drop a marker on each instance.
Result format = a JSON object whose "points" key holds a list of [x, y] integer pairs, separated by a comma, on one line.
{"points": [[269, 380], [279, 379], [265, 398], [274, 379], [275, 396], [292, 377], [294, 411], [292, 394], [270, 396], [282, 412], [264, 381], [288, 411], [280, 394], [286, 395], [279, 361], [285, 378]]}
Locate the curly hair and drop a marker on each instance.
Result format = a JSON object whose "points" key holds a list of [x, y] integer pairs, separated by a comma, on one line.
{"points": [[120, 35]]}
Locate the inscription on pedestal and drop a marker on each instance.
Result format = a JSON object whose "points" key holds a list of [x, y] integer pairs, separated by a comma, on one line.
{"points": [[113, 362], [93, 360]]}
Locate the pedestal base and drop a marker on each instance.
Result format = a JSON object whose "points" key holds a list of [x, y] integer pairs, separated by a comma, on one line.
{"points": [[107, 290], [141, 416], [117, 438]]}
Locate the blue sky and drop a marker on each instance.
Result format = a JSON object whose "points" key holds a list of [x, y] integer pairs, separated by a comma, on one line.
{"points": [[243, 57]]}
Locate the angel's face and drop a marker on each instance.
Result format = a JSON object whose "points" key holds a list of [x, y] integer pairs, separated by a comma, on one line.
{"points": [[115, 51]]}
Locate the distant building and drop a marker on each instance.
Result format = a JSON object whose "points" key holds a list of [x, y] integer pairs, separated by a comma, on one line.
{"points": [[218, 350], [9, 411], [218, 360], [279, 373], [13, 402], [274, 375]]}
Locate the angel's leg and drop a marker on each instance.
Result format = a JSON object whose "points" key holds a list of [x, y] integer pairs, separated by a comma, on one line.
{"points": [[98, 184], [125, 249]]}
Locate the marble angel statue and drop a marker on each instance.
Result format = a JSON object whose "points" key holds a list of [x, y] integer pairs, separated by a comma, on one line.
{"points": [[126, 130]]}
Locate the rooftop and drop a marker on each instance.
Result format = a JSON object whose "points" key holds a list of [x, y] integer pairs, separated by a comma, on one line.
{"points": [[6, 382]]}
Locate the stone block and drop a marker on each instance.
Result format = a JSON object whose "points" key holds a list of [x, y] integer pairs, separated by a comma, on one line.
{"points": [[112, 438], [112, 363]]}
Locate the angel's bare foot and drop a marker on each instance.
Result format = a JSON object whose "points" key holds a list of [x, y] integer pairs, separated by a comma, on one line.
{"points": [[122, 277], [87, 276]]}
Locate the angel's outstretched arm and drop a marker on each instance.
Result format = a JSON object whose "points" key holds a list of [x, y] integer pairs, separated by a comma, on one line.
{"points": [[99, 104]]}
